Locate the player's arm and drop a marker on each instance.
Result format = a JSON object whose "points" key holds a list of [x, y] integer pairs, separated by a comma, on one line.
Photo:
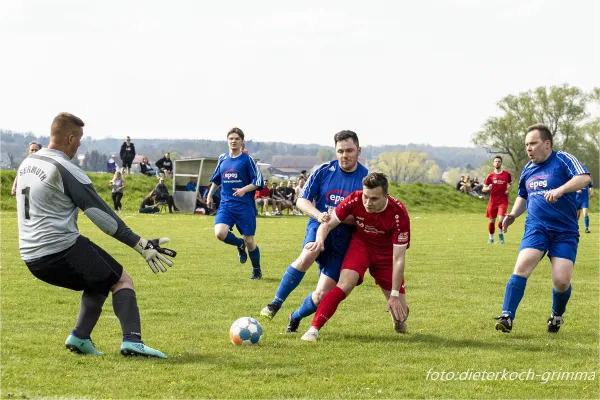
{"points": [[255, 178], [591, 192], [394, 304], [574, 184], [79, 188], [518, 208], [13, 191], [322, 233], [211, 192], [307, 207]]}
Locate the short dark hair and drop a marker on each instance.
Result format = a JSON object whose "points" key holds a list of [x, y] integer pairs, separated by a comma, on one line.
{"points": [[498, 157], [343, 135], [545, 132], [375, 180], [64, 123], [236, 130]]}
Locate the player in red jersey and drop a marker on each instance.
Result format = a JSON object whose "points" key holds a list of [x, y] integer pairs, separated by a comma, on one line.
{"points": [[379, 245], [498, 183]]}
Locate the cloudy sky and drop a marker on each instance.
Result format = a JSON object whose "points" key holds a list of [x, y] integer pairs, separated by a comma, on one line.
{"points": [[294, 71]]}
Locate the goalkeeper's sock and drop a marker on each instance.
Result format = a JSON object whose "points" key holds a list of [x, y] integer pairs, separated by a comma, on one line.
{"points": [[328, 306], [308, 307], [491, 229], [290, 281], [89, 313], [560, 300], [233, 240], [515, 288], [128, 313], [586, 221], [255, 258]]}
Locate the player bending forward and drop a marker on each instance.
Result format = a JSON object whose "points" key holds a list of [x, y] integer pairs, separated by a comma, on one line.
{"points": [[379, 245]]}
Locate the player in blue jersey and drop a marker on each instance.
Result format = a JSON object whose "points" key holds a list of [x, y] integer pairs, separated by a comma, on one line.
{"points": [[583, 199], [326, 187], [239, 177], [547, 191]]}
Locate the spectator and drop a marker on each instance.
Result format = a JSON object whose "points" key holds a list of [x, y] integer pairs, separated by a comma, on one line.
{"points": [[476, 186], [127, 155], [299, 189], [148, 205], [466, 187], [163, 196], [117, 183], [192, 184], [262, 199], [303, 175], [146, 168], [32, 147], [276, 199], [460, 183], [165, 165]]}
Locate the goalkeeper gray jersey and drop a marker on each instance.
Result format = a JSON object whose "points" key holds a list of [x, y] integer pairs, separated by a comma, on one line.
{"points": [[50, 192]]}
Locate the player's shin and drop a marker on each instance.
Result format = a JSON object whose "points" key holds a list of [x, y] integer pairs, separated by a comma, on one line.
{"points": [[328, 307], [290, 281], [128, 313], [233, 240], [560, 300], [89, 313], [308, 307], [515, 289], [255, 258]]}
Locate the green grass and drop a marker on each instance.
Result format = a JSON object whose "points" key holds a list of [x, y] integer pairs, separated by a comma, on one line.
{"points": [[455, 285]]}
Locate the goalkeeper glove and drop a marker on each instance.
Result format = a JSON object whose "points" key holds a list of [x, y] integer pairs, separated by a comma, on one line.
{"points": [[151, 251]]}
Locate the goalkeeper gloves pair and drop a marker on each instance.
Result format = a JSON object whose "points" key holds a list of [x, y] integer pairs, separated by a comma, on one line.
{"points": [[153, 253]]}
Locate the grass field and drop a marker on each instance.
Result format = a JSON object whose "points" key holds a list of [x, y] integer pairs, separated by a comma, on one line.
{"points": [[455, 285]]}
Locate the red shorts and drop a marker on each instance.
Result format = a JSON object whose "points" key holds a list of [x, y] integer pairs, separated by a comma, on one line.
{"points": [[359, 258], [496, 207]]}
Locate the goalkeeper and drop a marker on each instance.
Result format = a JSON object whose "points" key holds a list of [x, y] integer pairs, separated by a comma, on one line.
{"points": [[50, 192]]}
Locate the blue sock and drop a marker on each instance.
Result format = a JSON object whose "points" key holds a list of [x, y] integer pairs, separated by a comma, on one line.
{"points": [[255, 258], [233, 240], [586, 221], [560, 300], [515, 288], [307, 308], [290, 281]]}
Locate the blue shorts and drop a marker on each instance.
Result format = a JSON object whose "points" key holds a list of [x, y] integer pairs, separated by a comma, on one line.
{"points": [[330, 260], [557, 244], [244, 218], [583, 204]]}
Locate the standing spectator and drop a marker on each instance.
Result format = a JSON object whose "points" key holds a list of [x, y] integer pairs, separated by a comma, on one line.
{"points": [[165, 165], [118, 184], [127, 155], [32, 147], [299, 188], [303, 175], [162, 195], [147, 169]]}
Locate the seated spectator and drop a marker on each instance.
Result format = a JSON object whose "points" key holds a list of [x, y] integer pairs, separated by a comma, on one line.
{"points": [[148, 205], [476, 186], [146, 168], [460, 183], [466, 187], [165, 165], [262, 199], [192, 184], [162, 195], [299, 189], [278, 196]]}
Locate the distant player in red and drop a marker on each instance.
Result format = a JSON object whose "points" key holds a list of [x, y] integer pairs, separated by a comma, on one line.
{"points": [[379, 245], [498, 183]]}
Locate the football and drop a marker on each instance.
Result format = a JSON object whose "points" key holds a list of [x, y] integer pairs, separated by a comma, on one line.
{"points": [[245, 331]]}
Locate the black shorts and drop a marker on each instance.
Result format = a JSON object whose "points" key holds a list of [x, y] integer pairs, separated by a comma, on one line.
{"points": [[83, 266], [127, 163]]}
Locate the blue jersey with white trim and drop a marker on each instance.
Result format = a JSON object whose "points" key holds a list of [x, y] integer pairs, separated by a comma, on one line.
{"points": [[234, 173], [584, 194], [538, 179], [329, 185]]}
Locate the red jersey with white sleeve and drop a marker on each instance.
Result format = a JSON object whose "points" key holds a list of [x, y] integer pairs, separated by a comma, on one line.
{"points": [[499, 184], [377, 230]]}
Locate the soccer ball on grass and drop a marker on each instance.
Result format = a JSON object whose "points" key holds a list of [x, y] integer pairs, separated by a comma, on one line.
{"points": [[245, 331]]}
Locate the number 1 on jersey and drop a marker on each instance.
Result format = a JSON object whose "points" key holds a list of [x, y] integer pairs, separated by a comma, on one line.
{"points": [[25, 192]]}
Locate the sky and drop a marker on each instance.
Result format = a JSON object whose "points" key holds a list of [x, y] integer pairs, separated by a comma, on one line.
{"points": [[395, 72]]}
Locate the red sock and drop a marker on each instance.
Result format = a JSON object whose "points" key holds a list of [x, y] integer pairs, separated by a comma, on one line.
{"points": [[327, 307], [500, 225], [491, 228]]}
